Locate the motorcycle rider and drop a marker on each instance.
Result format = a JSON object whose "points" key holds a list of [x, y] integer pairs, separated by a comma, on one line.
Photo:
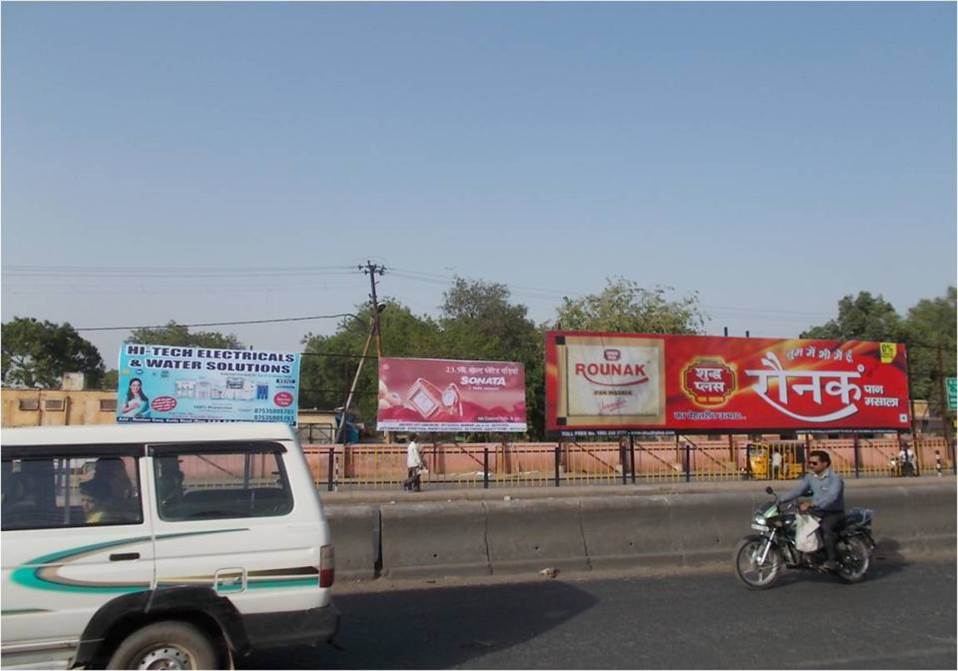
{"points": [[827, 490]]}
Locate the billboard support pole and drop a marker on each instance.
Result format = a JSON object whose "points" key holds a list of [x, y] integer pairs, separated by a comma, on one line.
{"points": [[895, 460], [558, 450], [485, 467], [858, 455], [632, 457], [623, 461], [688, 460], [329, 468]]}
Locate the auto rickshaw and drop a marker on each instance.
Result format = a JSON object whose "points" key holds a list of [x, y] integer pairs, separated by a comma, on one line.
{"points": [[774, 461]]}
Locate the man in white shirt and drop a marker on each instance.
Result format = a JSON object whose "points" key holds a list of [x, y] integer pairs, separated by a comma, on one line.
{"points": [[907, 460], [413, 463]]}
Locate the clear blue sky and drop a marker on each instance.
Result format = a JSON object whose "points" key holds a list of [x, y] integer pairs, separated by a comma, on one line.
{"points": [[773, 157]]}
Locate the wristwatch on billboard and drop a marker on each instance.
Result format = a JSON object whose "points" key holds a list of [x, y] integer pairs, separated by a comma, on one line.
{"points": [[425, 398]]}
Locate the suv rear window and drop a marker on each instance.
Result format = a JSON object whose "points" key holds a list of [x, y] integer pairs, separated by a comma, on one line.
{"points": [[48, 492], [193, 485]]}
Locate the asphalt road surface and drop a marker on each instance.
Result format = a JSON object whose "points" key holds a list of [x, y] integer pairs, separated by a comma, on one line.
{"points": [[903, 616]]}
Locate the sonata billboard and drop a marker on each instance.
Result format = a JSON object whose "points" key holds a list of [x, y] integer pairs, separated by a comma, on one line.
{"points": [[445, 395]]}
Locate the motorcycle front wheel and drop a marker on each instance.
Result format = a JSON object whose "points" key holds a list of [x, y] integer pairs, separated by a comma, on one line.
{"points": [[749, 567], [855, 558]]}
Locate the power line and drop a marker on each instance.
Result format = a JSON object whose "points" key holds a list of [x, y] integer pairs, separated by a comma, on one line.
{"points": [[321, 390], [193, 272], [341, 356], [137, 270], [236, 323]]}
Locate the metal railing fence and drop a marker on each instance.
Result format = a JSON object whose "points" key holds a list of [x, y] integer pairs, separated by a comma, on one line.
{"points": [[488, 465]]}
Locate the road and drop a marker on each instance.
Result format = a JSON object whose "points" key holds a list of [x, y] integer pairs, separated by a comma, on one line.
{"points": [[903, 616]]}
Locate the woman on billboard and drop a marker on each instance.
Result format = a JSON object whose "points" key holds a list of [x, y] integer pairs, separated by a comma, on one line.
{"points": [[137, 404]]}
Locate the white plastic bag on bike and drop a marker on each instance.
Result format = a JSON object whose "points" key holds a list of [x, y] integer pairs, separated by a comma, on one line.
{"points": [[806, 538]]}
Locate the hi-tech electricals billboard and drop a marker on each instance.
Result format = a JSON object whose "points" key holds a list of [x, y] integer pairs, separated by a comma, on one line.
{"points": [[159, 383], [614, 381]]}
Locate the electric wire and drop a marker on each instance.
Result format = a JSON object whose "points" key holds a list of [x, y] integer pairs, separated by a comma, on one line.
{"points": [[204, 324]]}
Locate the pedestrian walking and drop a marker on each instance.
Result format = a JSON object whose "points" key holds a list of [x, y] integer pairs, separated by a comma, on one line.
{"points": [[414, 466], [906, 460]]}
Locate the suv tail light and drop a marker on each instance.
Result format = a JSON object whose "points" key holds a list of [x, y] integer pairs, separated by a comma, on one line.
{"points": [[327, 565]]}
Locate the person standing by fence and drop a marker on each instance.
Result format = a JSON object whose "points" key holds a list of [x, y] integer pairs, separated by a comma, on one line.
{"points": [[414, 464], [776, 463], [906, 461]]}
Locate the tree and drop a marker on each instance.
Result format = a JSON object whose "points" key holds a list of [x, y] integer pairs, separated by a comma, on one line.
{"points": [[625, 307], [110, 379], [862, 317], [329, 362], [179, 335], [37, 354], [930, 324], [478, 321]]}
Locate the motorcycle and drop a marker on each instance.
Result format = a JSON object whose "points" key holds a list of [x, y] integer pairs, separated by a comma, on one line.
{"points": [[761, 558]]}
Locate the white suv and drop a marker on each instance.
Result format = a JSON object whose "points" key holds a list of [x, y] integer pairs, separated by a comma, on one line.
{"points": [[160, 546]]}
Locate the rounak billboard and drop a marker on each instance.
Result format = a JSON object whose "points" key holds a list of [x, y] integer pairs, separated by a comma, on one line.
{"points": [[609, 381], [445, 395]]}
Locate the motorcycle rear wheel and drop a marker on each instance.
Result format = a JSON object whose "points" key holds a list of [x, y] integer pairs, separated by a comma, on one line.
{"points": [[855, 559], [754, 574]]}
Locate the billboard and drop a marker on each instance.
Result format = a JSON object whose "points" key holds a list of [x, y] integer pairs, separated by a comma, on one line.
{"points": [[160, 383], [444, 395], [610, 381]]}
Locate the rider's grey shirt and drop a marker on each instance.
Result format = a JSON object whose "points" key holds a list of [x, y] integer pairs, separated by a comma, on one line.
{"points": [[827, 491]]}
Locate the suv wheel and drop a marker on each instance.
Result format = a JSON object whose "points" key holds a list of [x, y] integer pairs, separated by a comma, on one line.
{"points": [[165, 645]]}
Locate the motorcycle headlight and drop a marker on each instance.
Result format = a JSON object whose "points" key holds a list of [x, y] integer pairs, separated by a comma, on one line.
{"points": [[759, 519]]}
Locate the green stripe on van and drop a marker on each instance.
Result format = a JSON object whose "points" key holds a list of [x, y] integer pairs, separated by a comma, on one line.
{"points": [[35, 573], [298, 582], [23, 611]]}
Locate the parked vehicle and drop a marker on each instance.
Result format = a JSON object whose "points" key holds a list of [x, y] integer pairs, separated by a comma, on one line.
{"points": [[760, 559], [160, 546]]}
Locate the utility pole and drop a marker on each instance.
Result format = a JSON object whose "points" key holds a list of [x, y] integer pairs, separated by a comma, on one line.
{"points": [[352, 390], [372, 270], [943, 400]]}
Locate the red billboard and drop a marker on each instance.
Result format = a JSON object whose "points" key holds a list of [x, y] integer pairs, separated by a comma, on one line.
{"points": [[615, 381], [444, 395]]}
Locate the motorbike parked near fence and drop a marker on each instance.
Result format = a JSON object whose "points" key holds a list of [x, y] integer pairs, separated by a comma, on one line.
{"points": [[760, 559]]}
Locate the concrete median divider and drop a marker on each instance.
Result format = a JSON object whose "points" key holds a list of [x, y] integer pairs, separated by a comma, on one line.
{"points": [[670, 530], [640, 530], [706, 527], [434, 539], [533, 535], [912, 519], [629, 531], [355, 533]]}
